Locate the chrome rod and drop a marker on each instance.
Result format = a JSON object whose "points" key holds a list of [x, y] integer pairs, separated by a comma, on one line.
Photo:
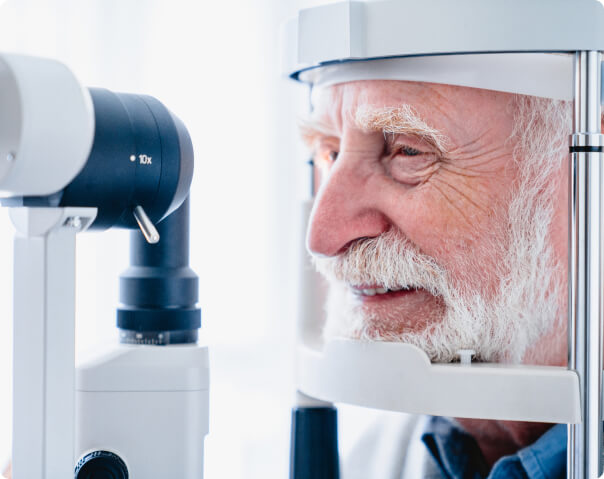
{"points": [[146, 225], [585, 267]]}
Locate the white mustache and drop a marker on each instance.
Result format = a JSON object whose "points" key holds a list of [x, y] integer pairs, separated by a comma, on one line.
{"points": [[389, 261]]}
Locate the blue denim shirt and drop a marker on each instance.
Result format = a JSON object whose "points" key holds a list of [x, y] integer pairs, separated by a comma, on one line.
{"points": [[458, 456]]}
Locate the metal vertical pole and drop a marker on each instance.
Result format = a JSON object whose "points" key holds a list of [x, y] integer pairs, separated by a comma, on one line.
{"points": [[585, 267]]}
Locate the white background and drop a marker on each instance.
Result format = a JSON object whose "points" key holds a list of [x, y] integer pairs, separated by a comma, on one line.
{"points": [[216, 66]]}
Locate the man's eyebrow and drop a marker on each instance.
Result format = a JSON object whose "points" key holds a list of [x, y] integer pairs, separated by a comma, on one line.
{"points": [[400, 120], [312, 129]]}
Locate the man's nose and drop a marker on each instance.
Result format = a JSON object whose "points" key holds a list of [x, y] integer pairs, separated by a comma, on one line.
{"points": [[345, 210]]}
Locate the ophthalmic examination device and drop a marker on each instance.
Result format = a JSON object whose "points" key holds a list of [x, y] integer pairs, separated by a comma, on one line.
{"points": [[551, 49], [73, 159]]}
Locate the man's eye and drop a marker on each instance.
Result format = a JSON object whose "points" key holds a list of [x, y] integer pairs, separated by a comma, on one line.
{"points": [[408, 151], [333, 155]]}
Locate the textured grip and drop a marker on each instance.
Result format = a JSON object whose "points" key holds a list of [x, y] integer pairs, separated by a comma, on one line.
{"points": [[101, 465]]}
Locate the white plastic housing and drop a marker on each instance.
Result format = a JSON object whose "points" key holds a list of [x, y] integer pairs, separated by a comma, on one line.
{"points": [[46, 126], [536, 74], [393, 28], [149, 405], [497, 45]]}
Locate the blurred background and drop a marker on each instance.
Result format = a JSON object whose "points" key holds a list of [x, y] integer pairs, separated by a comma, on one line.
{"points": [[216, 66]]}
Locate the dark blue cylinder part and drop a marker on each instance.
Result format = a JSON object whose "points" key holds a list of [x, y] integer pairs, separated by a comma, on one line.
{"points": [[142, 155], [314, 443], [159, 291]]}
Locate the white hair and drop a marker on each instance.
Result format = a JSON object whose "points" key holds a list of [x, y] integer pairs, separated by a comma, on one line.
{"points": [[526, 304]]}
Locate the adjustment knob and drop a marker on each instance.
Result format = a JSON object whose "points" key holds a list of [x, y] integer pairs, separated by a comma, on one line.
{"points": [[101, 465]]}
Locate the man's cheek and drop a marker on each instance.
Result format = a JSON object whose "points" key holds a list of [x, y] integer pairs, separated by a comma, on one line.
{"points": [[462, 201], [457, 232]]}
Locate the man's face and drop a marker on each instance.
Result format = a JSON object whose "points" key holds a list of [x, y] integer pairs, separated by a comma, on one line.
{"points": [[428, 225]]}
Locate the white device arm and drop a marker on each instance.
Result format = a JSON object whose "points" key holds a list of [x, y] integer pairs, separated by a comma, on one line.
{"points": [[44, 340], [361, 30], [353, 372], [46, 126], [319, 40]]}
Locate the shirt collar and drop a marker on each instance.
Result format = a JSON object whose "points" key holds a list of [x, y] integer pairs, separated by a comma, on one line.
{"points": [[458, 456]]}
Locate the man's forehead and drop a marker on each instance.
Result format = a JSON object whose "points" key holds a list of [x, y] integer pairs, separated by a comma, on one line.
{"points": [[338, 105]]}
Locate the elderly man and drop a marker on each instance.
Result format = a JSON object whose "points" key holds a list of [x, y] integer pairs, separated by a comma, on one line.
{"points": [[441, 221]]}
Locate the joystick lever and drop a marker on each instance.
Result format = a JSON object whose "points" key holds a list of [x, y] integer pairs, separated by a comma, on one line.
{"points": [[146, 225]]}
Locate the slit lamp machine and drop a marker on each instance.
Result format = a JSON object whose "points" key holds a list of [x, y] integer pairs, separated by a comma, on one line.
{"points": [[75, 159]]}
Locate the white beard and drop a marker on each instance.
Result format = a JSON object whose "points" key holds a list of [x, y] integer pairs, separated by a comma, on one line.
{"points": [[522, 308]]}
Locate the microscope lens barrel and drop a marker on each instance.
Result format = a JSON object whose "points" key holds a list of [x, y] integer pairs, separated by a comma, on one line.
{"points": [[141, 156], [159, 291]]}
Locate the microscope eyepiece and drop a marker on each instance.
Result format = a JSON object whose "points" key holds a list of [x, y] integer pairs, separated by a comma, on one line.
{"points": [[141, 157]]}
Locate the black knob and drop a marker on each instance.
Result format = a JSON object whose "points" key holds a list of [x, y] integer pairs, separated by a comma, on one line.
{"points": [[101, 465]]}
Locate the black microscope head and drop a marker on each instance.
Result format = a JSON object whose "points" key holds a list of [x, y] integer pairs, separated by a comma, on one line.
{"points": [[141, 156]]}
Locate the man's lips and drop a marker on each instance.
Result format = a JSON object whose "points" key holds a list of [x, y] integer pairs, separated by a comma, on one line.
{"points": [[397, 311], [376, 293]]}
